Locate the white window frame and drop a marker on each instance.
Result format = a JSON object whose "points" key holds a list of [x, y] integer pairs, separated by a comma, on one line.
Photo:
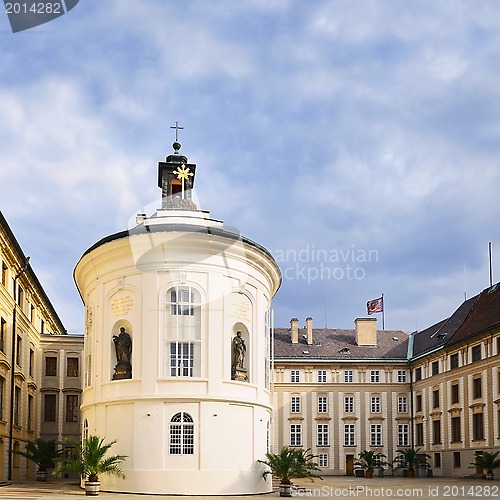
{"points": [[348, 376], [375, 434], [181, 434], [376, 404], [403, 435], [402, 376], [323, 460], [348, 404], [321, 376], [183, 332], [402, 404], [374, 376], [295, 404], [295, 376], [295, 434], [349, 435], [323, 434], [322, 404]]}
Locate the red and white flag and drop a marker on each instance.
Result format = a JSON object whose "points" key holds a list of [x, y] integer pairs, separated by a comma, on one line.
{"points": [[375, 305]]}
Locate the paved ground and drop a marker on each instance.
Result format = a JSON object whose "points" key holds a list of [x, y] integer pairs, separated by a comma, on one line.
{"points": [[331, 487]]}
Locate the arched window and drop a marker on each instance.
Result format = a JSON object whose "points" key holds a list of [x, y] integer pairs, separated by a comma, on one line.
{"points": [[85, 432], [183, 331], [181, 434]]}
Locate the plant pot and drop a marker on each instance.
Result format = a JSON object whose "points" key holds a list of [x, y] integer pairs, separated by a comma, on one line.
{"points": [[411, 473], [41, 475], [368, 474], [92, 488], [489, 476], [285, 490]]}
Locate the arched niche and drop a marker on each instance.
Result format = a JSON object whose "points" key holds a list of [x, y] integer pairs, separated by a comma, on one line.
{"points": [[118, 368], [241, 371]]}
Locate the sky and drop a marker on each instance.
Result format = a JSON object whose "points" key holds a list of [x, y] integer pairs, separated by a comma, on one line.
{"points": [[359, 141]]}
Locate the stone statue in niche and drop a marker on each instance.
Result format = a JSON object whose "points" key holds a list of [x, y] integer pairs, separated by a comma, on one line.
{"points": [[123, 349], [238, 370]]}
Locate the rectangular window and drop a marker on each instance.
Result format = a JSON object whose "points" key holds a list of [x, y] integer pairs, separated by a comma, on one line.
{"points": [[295, 435], [323, 435], [437, 460], [476, 353], [20, 296], [436, 432], [295, 406], [402, 404], [19, 351], [32, 313], [498, 345], [418, 403], [71, 408], [72, 367], [322, 404], [323, 460], [348, 377], [321, 376], [454, 361], [457, 462], [419, 428], [375, 376], [17, 406], [50, 366], [476, 388], [32, 362], [349, 435], [349, 404], [3, 334], [295, 376], [435, 398], [477, 426], [455, 430], [42, 326], [375, 404], [30, 412], [435, 368], [402, 376], [2, 391], [403, 435], [376, 435], [49, 410], [454, 394], [4, 274], [418, 374], [181, 359]]}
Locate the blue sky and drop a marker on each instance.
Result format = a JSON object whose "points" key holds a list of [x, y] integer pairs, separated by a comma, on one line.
{"points": [[327, 131]]}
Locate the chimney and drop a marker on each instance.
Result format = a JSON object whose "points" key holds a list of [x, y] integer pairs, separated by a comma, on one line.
{"points": [[309, 327], [366, 331], [294, 323]]}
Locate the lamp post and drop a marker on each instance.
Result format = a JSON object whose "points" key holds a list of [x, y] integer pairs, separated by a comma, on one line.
{"points": [[13, 361]]}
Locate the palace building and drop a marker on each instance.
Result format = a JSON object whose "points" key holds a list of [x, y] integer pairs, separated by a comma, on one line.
{"points": [[39, 395]]}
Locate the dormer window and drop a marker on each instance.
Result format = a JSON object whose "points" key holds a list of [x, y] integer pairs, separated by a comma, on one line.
{"points": [[344, 350]]}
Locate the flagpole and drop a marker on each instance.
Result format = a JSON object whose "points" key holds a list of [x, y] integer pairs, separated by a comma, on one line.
{"points": [[383, 313]]}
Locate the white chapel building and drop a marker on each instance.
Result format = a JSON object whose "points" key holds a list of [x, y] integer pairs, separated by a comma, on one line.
{"points": [[177, 346]]}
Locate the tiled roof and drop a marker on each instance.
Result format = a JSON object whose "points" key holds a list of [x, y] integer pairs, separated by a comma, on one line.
{"points": [[327, 342], [484, 316], [441, 333]]}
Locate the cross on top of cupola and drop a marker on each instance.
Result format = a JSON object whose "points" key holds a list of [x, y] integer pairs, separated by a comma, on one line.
{"points": [[176, 178]]}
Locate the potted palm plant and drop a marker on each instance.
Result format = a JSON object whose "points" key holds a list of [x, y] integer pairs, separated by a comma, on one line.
{"points": [[369, 460], [288, 464], [411, 458], [43, 453], [90, 461], [487, 461]]}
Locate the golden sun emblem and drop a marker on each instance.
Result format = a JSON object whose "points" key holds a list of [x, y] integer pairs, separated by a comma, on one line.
{"points": [[183, 174]]}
